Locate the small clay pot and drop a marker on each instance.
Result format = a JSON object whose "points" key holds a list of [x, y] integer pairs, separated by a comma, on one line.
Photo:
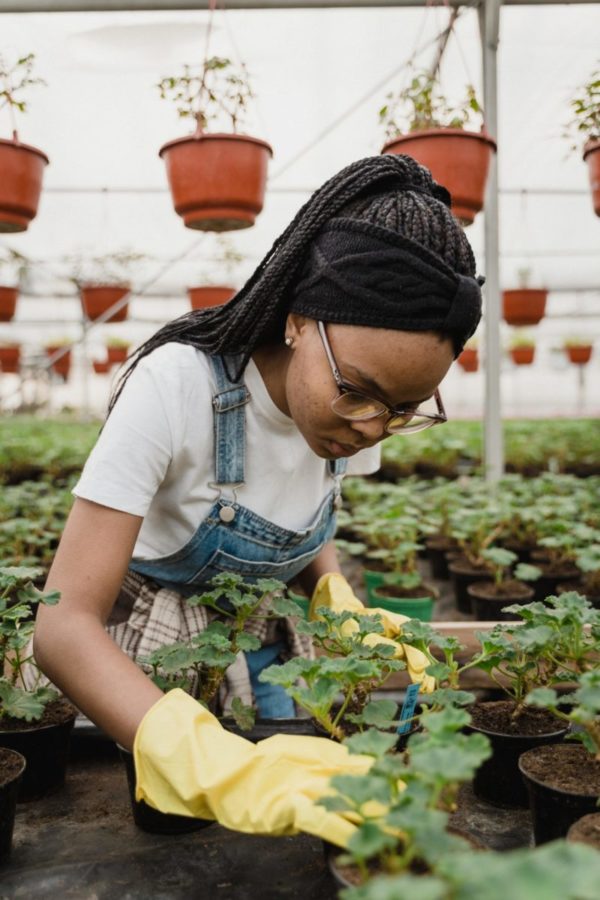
{"points": [[210, 295]]}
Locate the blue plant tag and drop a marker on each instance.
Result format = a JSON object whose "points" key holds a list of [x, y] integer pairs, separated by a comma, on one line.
{"points": [[408, 708]]}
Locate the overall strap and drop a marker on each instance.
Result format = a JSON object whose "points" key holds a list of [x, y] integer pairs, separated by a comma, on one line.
{"points": [[229, 418], [338, 467]]}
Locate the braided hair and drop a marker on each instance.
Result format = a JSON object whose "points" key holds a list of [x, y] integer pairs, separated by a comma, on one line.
{"points": [[392, 191]]}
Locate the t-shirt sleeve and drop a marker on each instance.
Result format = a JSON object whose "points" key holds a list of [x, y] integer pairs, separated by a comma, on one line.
{"points": [[365, 462], [132, 454]]}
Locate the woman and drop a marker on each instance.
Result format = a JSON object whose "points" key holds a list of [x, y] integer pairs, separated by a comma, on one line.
{"points": [[231, 429]]}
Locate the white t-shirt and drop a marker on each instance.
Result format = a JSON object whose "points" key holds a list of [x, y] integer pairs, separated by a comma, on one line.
{"points": [[155, 455]]}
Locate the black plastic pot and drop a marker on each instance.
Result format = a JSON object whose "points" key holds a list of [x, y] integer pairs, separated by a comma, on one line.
{"points": [[554, 811], [547, 584], [439, 550], [152, 820], [265, 728], [462, 575], [498, 779], [489, 609], [8, 801], [46, 750]]}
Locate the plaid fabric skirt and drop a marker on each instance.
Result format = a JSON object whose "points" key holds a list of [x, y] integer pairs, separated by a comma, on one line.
{"points": [[146, 616]]}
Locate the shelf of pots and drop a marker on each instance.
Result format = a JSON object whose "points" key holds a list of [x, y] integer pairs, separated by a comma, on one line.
{"points": [[420, 122], [34, 720], [585, 125], [522, 350], [579, 351], [102, 281], [22, 165], [217, 178], [13, 266]]}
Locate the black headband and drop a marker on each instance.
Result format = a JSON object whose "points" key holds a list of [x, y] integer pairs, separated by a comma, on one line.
{"points": [[362, 274]]}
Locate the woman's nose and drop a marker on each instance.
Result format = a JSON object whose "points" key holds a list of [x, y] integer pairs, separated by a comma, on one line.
{"points": [[371, 429]]}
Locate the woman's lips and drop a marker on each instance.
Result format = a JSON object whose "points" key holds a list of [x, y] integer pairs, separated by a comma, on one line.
{"points": [[342, 449]]}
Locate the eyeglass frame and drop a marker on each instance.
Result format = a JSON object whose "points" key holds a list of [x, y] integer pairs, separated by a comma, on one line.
{"points": [[346, 387]]}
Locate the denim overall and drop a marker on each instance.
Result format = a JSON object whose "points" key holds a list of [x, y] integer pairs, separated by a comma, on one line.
{"points": [[232, 538]]}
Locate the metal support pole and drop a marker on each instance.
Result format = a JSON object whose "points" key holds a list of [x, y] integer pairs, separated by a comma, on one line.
{"points": [[489, 26]]}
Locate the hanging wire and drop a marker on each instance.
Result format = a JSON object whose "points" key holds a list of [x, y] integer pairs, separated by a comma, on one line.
{"points": [[351, 109]]}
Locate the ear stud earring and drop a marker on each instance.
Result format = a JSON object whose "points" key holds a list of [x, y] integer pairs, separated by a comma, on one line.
{"points": [[289, 342]]}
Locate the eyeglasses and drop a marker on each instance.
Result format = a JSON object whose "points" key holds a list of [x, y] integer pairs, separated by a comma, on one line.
{"points": [[355, 406]]}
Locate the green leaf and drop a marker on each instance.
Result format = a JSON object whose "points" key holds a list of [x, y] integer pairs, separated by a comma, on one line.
{"points": [[243, 715], [284, 606], [372, 742], [247, 642], [20, 704], [369, 840]]}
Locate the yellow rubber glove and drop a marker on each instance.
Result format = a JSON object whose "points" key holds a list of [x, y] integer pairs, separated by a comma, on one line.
{"points": [[186, 763], [334, 592]]}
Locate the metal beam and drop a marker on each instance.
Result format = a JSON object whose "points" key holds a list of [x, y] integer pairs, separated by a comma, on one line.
{"points": [[49, 6], [493, 446]]}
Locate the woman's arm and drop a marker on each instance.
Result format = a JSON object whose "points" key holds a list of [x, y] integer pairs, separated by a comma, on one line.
{"points": [[326, 561], [71, 645]]}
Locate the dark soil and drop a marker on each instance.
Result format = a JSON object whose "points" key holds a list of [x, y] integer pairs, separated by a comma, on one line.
{"points": [[551, 570], [586, 830], [10, 766], [56, 713], [496, 717], [394, 590], [461, 566], [508, 590], [564, 767], [440, 542], [581, 588]]}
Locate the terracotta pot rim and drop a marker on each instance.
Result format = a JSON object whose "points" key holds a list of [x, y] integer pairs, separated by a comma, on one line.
{"points": [[591, 146], [217, 135], [530, 291], [99, 286], [4, 142], [442, 132], [212, 287]]}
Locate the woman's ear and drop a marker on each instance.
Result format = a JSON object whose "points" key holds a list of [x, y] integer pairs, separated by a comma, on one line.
{"points": [[296, 325]]}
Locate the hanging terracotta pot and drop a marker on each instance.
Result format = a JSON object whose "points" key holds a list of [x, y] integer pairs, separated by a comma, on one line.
{"points": [[8, 303], [101, 366], [22, 169], [210, 295], [524, 306], [217, 181], [61, 366], [457, 159], [116, 354], [579, 354], [469, 359], [522, 356], [10, 356], [591, 154], [96, 299]]}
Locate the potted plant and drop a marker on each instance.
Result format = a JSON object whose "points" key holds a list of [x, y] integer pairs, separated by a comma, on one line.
{"points": [[215, 290], [559, 541], [12, 766], [579, 350], [35, 721], [586, 125], [10, 358], [474, 531], [402, 804], [217, 178], [437, 137], [587, 560], [62, 364], [468, 358], [524, 305], [356, 661], [102, 281], [12, 267], [522, 349], [117, 350], [563, 782], [198, 666], [22, 166], [488, 598], [101, 366]]}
